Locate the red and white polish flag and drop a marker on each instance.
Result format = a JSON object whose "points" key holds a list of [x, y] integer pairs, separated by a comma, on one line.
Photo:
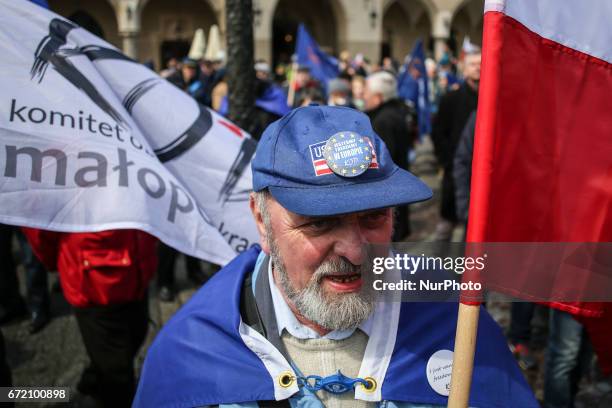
{"points": [[542, 169]]}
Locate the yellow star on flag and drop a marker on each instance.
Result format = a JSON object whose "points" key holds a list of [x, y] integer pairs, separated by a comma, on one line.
{"points": [[354, 171], [343, 171], [362, 166], [367, 157]]}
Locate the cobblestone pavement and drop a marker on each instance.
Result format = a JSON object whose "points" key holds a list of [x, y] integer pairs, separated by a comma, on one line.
{"points": [[56, 355]]}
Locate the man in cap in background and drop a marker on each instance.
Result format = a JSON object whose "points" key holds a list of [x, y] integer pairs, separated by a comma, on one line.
{"points": [[297, 322]]}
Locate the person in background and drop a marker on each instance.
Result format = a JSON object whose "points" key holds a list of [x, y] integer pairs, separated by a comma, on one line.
{"points": [[360, 65], [188, 79], [219, 93], [433, 85], [172, 67], [5, 371], [12, 304], [280, 75], [357, 90], [37, 287], [344, 63], [270, 100], [104, 276], [568, 357], [389, 65], [166, 281], [462, 168], [311, 95], [306, 88], [447, 70], [453, 113], [339, 93], [262, 70], [211, 73], [394, 122]]}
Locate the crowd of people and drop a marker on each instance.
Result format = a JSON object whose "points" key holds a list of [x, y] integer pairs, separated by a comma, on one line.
{"points": [[105, 276]]}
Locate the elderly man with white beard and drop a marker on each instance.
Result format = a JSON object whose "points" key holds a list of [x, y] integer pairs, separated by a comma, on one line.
{"points": [[296, 322]]}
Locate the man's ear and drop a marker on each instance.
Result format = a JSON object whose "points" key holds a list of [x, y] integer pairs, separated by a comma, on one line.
{"points": [[259, 222]]}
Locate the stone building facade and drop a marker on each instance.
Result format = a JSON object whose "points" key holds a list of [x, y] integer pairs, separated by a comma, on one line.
{"points": [[156, 29]]}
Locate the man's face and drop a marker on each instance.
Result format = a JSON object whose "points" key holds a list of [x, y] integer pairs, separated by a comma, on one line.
{"points": [[263, 75], [207, 68], [338, 98], [358, 89], [471, 69], [372, 100], [318, 261], [302, 78], [189, 72]]}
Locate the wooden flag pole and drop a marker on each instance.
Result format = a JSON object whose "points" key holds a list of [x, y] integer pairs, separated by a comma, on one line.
{"points": [[291, 93], [463, 356]]}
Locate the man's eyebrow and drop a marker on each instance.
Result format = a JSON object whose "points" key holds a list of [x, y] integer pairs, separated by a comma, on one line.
{"points": [[305, 218], [377, 211]]}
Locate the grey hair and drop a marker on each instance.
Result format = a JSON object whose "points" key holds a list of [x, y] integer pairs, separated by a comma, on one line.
{"points": [[261, 201], [383, 83]]}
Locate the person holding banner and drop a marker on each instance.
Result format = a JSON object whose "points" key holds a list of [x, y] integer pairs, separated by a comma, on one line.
{"points": [[294, 323], [104, 276]]}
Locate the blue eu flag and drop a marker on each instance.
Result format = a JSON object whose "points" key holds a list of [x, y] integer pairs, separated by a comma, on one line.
{"points": [[412, 86], [323, 67]]}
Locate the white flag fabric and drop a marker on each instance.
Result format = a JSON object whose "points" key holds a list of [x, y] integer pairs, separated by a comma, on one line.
{"points": [[91, 140]]}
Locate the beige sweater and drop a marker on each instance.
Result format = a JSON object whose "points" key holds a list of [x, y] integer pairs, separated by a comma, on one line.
{"points": [[325, 357]]}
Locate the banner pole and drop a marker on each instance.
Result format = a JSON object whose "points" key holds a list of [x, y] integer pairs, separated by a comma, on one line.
{"points": [[291, 93], [463, 356]]}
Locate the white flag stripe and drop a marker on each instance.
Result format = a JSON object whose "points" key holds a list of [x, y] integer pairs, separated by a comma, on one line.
{"points": [[556, 21]]}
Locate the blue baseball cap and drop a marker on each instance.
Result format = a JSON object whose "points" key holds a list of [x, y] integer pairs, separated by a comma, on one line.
{"points": [[327, 160]]}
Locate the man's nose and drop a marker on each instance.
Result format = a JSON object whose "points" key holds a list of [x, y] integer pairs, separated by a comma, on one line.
{"points": [[350, 244]]}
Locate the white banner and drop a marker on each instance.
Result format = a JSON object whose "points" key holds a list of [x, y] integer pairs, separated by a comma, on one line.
{"points": [[91, 140]]}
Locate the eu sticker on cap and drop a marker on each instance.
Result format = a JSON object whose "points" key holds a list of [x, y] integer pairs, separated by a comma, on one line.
{"points": [[348, 154]]}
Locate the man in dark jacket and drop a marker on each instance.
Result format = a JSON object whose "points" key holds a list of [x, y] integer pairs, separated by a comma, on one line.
{"points": [[462, 170], [453, 113], [394, 122]]}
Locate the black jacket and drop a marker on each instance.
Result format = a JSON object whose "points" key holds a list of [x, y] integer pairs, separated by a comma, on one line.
{"points": [[394, 122], [5, 372], [462, 170], [455, 109]]}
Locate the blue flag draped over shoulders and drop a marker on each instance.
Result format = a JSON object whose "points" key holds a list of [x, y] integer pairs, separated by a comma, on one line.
{"points": [[323, 67], [203, 355], [412, 86]]}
